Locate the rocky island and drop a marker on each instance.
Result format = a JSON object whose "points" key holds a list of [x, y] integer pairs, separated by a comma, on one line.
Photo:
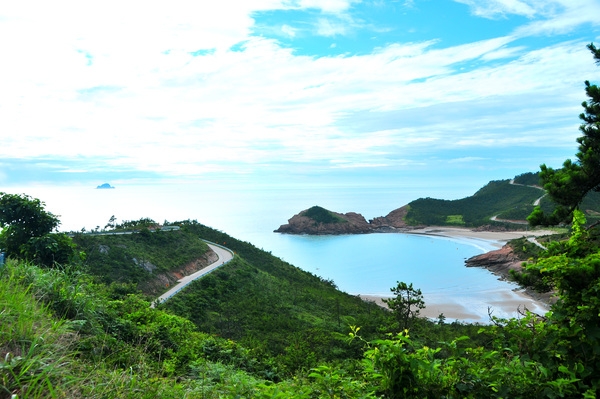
{"points": [[320, 221], [104, 186]]}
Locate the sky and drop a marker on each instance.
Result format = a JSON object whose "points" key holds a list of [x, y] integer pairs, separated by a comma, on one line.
{"points": [[439, 92]]}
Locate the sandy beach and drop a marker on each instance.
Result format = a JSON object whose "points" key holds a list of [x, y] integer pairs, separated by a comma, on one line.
{"points": [[498, 301]]}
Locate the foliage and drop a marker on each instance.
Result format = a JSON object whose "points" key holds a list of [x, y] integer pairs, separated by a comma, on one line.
{"points": [[568, 185], [51, 249], [138, 257], [35, 349], [406, 304], [27, 228], [322, 215], [455, 219], [528, 179], [491, 200], [132, 224]]}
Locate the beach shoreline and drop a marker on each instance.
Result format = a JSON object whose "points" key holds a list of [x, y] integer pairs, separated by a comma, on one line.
{"points": [[506, 302]]}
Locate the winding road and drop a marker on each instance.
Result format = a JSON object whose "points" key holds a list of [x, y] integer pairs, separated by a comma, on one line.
{"points": [[535, 203], [224, 256]]}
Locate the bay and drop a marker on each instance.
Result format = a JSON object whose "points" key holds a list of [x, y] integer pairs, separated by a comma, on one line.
{"points": [[367, 264]]}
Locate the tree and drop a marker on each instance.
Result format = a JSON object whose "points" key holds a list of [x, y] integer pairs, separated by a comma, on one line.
{"points": [[407, 303], [27, 231], [569, 185], [22, 218]]}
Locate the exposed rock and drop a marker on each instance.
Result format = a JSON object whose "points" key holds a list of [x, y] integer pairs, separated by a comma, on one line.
{"points": [[148, 266], [394, 219], [345, 223], [499, 262]]}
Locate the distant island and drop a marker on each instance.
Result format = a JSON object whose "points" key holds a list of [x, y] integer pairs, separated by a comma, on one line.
{"points": [[104, 186]]}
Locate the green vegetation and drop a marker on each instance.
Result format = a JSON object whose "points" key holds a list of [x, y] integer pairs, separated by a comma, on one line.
{"points": [[322, 215], [528, 179], [569, 185], [26, 231], [498, 198], [261, 328], [140, 257], [455, 219], [406, 304]]}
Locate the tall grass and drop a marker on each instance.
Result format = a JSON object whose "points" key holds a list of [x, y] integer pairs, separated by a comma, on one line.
{"points": [[35, 348], [55, 343]]}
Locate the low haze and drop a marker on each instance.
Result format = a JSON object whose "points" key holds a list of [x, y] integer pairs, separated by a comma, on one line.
{"points": [[438, 93]]}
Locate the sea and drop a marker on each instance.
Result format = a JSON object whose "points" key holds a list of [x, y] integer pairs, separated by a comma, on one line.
{"points": [[367, 264]]}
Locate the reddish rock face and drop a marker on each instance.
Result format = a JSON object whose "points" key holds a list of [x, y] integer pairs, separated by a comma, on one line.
{"points": [[498, 262], [350, 223], [394, 219]]}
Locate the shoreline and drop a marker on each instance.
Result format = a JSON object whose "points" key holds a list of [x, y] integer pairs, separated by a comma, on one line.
{"points": [[507, 303]]}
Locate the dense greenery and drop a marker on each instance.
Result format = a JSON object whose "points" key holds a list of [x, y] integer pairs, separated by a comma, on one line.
{"points": [[528, 179], [322, 215], [275, 308], [568, 185], [27, 231], [139, 256], [498, 198], [510, 202]]}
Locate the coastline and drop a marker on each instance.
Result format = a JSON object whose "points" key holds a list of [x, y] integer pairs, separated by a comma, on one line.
{"points": [[500, 302]]}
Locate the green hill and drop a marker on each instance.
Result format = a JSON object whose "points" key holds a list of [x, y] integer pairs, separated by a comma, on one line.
{"points": [[498, 198], [509, 202], [146, 260]]}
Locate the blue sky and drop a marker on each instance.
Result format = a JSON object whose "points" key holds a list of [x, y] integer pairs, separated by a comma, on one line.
{"points": [[433, 91]]}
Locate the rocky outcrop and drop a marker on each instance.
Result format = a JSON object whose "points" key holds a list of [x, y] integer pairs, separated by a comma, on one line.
{"points": [[346, 223], [499, 262], [393, 220], [343, 223]]}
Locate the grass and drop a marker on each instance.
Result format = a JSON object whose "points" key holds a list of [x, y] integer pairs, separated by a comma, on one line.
{"points": [[455, 219], [322, 215], [35, 349]]}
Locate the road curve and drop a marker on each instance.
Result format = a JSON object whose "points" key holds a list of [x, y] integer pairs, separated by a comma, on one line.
{"points": [[224, 256]]}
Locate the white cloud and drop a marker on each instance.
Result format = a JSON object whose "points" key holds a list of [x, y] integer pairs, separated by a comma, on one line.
{"points": [[547, 16], [328, 6], [499, 8], [119, 82], [288, 30], [328, 27]]}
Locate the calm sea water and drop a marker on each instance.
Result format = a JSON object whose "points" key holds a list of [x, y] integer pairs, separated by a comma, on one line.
{"points": [[358, 264]]}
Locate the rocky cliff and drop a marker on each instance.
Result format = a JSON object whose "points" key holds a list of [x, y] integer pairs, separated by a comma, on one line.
{"points": [[319, 221], [499, 262]]}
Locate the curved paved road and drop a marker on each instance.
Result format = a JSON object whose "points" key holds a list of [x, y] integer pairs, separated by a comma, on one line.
{"points": [[224, 256]]}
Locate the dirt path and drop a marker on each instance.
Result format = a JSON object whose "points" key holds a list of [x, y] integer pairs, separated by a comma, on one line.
{"points": [[224, 256]]}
